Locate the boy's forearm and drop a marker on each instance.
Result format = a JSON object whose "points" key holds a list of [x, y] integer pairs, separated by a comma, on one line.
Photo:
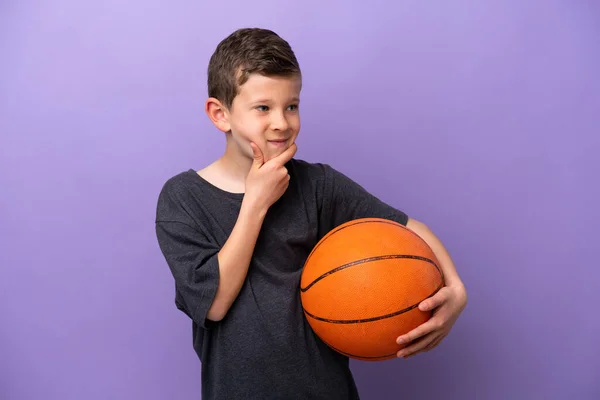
{"points": [[234, 258], [451, 276]]}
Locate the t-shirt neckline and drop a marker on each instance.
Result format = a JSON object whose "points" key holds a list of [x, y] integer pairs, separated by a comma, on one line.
{"points": [[237, 196]]}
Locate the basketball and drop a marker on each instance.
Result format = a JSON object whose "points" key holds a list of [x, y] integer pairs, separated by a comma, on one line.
{"points": [[361, 286]]}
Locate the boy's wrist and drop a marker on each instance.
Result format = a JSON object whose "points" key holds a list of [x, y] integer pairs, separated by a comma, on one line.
{"points": [[252, 209]]}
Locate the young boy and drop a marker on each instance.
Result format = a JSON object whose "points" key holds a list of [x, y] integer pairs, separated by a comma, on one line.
{"points": [[236, 235]]}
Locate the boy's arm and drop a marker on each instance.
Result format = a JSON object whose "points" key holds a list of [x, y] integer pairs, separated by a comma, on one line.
{"points": [[234, 258], [447, 304], [451, 277], [265, 184]]}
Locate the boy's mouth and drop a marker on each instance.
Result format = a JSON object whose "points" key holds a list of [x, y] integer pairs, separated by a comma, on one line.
{"points": [[278, 143]]}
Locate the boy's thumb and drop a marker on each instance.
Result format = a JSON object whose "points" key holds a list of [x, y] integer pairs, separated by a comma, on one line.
{"points": [[258, 156]]}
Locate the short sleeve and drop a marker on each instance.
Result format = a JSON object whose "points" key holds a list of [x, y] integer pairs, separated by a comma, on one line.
{"points": [[345, 200], [193, 261]]}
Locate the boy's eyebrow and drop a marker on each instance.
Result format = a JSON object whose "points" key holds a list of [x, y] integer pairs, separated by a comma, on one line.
{"points": [[292, 100], [260, 101]]}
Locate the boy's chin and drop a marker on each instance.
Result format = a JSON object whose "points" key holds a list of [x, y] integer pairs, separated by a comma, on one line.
{"points": [[275, 153]]}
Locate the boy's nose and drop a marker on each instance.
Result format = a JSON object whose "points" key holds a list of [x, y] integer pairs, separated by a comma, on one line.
{"points": [[279, 122]]}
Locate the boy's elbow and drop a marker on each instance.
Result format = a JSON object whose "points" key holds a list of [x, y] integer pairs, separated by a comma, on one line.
{"points": [[216, 312], [214, 315]]}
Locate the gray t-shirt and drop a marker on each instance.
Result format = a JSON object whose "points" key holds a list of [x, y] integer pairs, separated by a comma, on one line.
{"points": [[264, 347]]}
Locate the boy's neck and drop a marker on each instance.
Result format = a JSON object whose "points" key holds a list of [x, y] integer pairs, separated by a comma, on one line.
{"points": [[233, 165], [225, 174], [235, 168]]}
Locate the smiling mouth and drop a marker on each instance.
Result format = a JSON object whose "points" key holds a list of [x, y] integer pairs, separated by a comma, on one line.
{"points": [[278, 142]]}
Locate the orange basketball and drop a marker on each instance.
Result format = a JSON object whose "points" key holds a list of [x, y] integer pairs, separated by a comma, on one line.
{"points": [[362, 284]]}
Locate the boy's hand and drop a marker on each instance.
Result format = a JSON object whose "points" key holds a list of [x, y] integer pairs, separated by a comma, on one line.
{"points": [[267, 181], [447, 304]]}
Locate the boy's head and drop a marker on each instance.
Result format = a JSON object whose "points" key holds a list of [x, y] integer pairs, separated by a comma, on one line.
{"points": [[254, 84]]}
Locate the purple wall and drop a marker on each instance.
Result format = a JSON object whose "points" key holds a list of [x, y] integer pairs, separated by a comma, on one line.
{"points": [[480, 118]]}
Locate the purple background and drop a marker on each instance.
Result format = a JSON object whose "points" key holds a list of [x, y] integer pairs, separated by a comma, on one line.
{"points": [[480, 118]]}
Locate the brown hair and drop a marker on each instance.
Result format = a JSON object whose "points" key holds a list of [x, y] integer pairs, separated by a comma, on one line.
{"points": [[244, 52]]}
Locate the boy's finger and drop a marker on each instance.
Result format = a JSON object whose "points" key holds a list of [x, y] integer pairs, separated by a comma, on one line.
{"points": [[258, 155], [434, 301], [416, 333], [287, 155], [434, 343], [417, 346]]}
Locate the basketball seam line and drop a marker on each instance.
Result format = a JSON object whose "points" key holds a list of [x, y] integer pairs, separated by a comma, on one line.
{"points": [[366, 260], [372, 319], [357, 222]]}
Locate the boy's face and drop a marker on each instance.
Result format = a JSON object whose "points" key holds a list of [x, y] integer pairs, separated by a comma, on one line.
{"points": [[265, 112]]}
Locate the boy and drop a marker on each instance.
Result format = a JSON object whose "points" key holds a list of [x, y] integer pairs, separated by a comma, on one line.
{"points": [[236, 235]]}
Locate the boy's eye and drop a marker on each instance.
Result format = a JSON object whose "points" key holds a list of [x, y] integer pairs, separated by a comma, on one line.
{"points": [[292, 107]]}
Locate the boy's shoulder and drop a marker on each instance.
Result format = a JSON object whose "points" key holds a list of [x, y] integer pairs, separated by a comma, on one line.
{"points": [[178, 184], [174, 194]]}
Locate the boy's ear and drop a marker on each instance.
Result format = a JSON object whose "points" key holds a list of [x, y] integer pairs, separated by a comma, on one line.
{"points": [[218, 114]]}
